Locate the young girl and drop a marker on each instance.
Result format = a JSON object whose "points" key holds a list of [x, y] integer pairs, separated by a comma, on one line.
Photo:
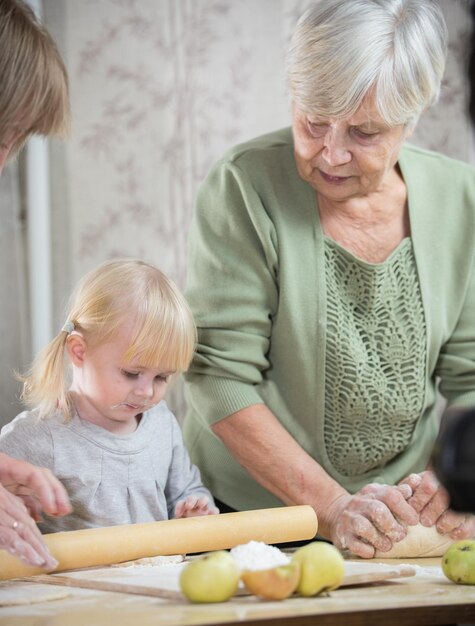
{"points": [[104, 430]]}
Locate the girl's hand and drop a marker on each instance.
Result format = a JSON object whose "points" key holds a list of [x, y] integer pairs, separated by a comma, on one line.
{"points": [[194, 506], [373, 518], [431, 501]]}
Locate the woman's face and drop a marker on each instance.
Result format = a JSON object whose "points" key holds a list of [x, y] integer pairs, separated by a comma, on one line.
{"points": [[346, 158]]}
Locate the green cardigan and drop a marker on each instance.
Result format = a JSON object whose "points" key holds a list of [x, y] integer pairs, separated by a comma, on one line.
{"points": [[256, 285]]}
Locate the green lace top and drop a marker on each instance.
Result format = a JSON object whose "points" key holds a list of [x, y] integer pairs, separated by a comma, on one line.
{"points": [[375, 357]]}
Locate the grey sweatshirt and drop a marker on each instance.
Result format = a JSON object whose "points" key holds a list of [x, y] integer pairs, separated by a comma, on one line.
{"points": [[111, 479]]}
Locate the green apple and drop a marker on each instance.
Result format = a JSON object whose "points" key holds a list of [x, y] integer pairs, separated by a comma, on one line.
{"points": [[212, 578], [458, 562], [322, 568], [275, 583]]}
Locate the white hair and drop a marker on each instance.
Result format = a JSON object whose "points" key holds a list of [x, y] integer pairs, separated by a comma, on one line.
{"points": [[343, 50]]}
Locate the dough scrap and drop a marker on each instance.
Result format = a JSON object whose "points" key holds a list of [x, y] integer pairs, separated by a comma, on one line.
{"points": [[419, 542], [153, 560], [17, 594]]}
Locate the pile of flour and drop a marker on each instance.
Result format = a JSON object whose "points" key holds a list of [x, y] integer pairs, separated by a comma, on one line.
{"points": [[257, 555]]}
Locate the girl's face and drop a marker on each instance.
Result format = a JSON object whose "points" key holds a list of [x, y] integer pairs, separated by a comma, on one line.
{"points": [[109, 392]]}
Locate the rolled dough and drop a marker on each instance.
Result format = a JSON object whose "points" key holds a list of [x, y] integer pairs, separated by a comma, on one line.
{"points": [[17, 594], [419, 542]]}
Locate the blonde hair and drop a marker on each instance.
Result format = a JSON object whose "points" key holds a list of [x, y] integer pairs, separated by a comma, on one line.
{"points": [[117, 292], [34, 94], [342, 50]]}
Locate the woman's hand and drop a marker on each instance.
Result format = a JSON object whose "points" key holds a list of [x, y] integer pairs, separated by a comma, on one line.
{"points": [[19, 534], [25, 490], [431, 501], [373, 518], [194, 506], [37, 486]]}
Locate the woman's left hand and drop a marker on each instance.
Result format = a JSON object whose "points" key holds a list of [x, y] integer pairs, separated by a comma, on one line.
{"points": [[194, 506], [431, 501]]}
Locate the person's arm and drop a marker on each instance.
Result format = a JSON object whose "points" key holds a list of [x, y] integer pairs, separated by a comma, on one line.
{"points": [[184, 491], [359, 522], [19, 534]]}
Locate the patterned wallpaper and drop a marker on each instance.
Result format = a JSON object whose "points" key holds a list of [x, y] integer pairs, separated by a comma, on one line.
{"points": [[159, 89]]}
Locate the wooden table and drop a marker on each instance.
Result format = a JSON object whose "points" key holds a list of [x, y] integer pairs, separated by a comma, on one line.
{"points": [[427, 598]]}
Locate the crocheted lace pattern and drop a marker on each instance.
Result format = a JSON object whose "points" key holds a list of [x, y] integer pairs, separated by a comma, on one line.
{"points": [[375, 357]]}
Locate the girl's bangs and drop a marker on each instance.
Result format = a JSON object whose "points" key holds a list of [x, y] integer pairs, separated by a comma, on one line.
{"points": [[167, 346]]}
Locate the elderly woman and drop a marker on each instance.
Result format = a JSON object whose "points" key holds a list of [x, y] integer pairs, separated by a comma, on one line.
{"points": [[331, 276], [33, 99]]}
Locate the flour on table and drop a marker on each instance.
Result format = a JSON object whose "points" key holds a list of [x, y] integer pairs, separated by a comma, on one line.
{"points": [[419, 542], [153, 560], [257, 555], [17, 594]]}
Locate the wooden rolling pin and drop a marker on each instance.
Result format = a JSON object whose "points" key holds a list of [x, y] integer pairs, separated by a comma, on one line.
{"points": [[103, 546]]}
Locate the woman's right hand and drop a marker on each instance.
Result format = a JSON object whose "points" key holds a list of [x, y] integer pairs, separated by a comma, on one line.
{"points": [[373, 518], [25, 491], [37, 486], [19, 534]]}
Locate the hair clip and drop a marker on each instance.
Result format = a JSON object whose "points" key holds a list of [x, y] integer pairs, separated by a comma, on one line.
{"points": [[68, 327]]}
